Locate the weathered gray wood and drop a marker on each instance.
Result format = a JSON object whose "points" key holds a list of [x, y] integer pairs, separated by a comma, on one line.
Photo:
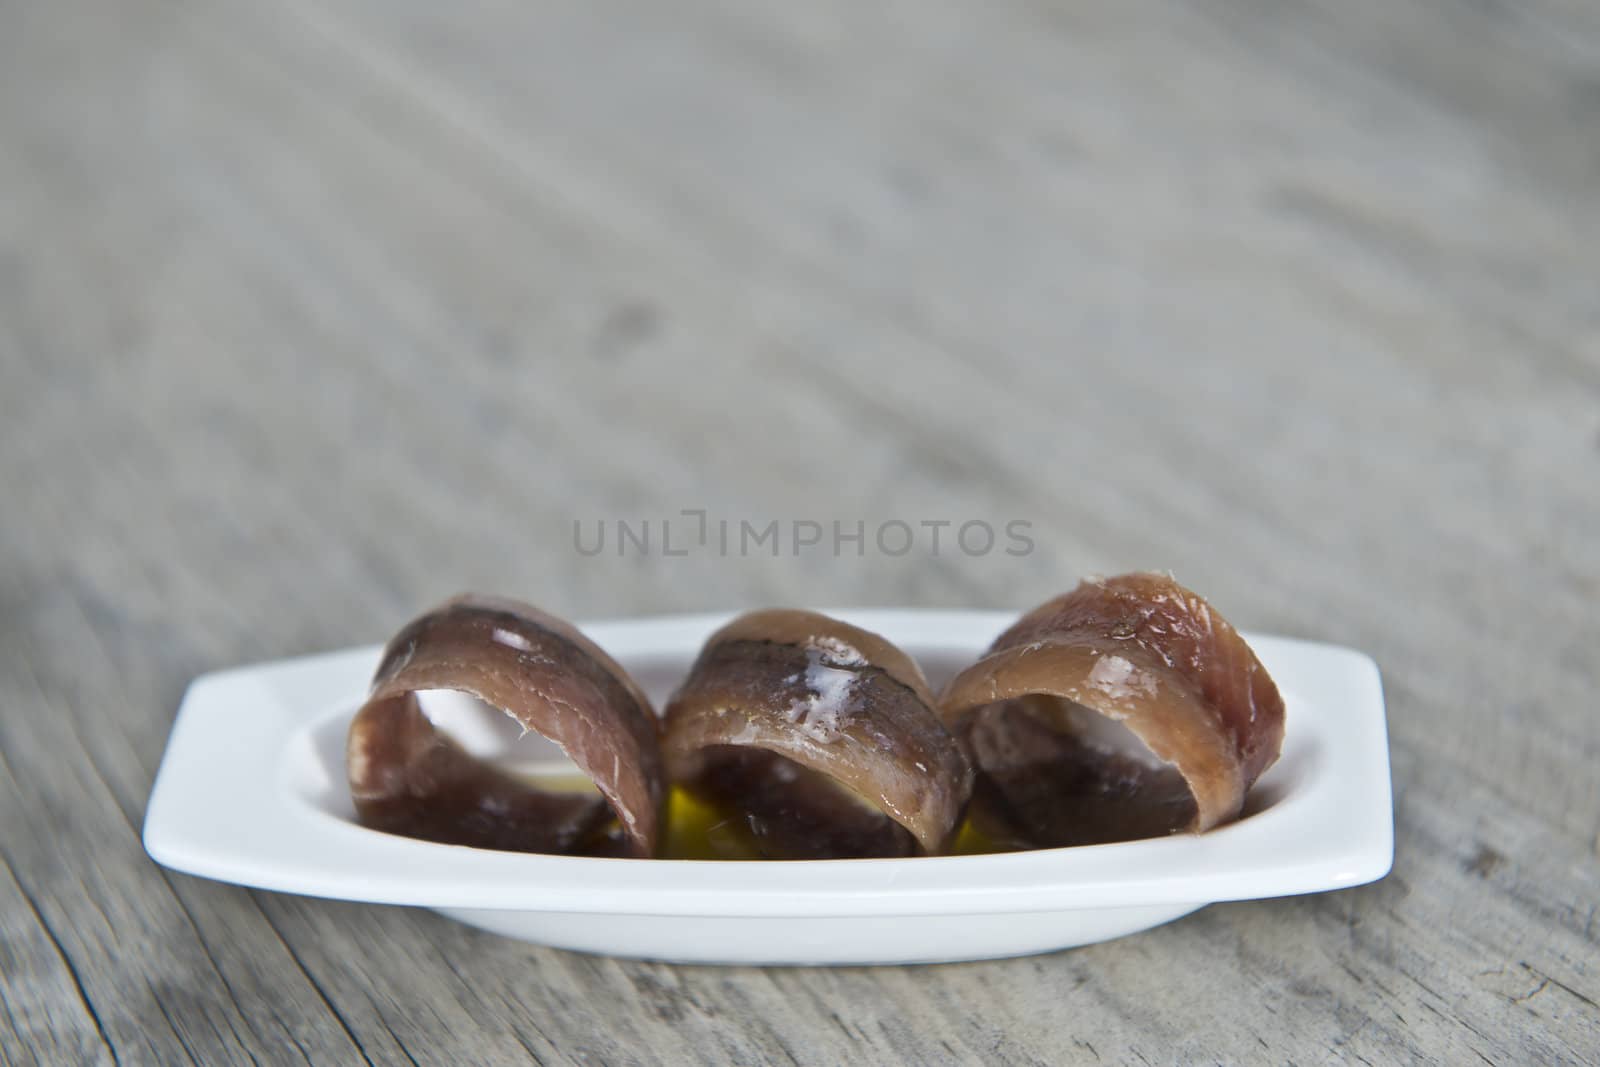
{"points": [[313, 313]]}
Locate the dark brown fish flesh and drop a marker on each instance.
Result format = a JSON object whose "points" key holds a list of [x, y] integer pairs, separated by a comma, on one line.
{"points": [[818, 738], [1124, 709], [407, 777]]}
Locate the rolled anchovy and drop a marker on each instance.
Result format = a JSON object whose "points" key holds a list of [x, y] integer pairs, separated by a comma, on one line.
{"points": [[406, 777], [1126, 708], [820, 737]]}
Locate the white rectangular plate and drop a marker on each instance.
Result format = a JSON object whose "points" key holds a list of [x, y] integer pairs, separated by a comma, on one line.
{"points": [[251, 790]]}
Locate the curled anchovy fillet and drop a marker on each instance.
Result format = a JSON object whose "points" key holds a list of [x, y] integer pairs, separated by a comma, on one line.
{"points": [[819, 736], [1126, 708], [408, 778]]}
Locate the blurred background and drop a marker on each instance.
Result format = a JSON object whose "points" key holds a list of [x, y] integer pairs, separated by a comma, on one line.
{"points": [[371, 302], [312, 314]]}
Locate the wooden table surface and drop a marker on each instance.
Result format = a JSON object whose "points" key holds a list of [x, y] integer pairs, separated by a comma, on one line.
{"points": [[313, 313]]}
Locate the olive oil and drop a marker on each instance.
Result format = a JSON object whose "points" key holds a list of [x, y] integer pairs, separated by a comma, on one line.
{"points": [[695, 830]]}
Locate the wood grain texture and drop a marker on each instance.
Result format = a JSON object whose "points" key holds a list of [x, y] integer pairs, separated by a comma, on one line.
{"points": [[313, 313]]}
